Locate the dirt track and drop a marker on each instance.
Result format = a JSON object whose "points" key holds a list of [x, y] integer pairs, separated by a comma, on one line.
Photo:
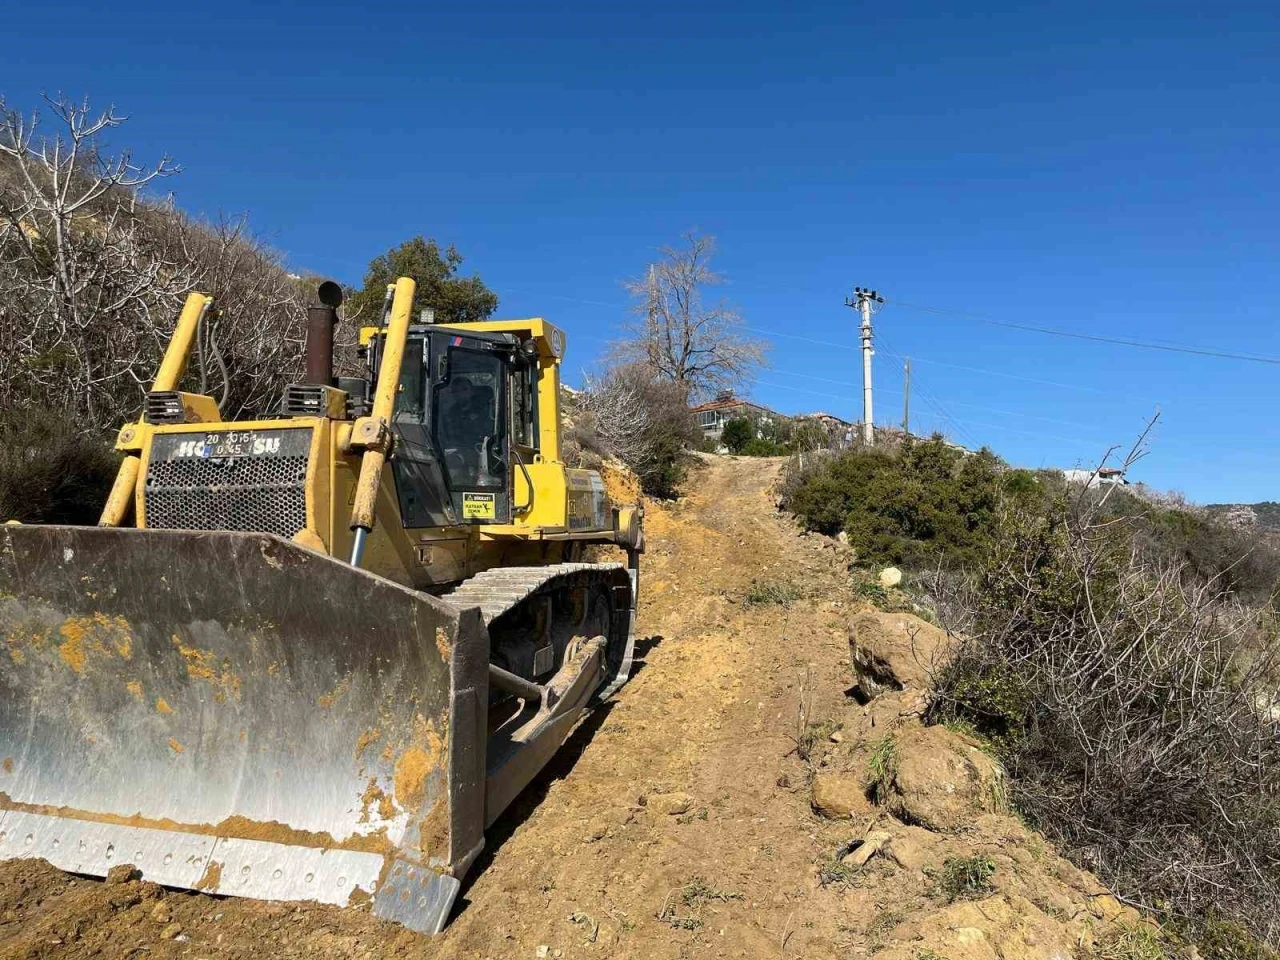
{"points": [[585, 863]]}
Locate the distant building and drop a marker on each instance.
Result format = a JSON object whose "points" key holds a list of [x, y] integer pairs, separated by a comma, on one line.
{"points": [[1102, 477], [840, 432], [713, 415], [829, 420]]}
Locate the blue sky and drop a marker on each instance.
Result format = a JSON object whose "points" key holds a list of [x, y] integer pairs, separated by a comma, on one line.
{"points": [[1100, 168]]}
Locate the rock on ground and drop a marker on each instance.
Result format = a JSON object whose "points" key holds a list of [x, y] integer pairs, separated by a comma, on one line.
{"points": [[940, 780], [841, 796], [894, 651]]}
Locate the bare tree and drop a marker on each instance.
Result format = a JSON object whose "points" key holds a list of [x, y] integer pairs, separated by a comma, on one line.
{"points": [[701, 346], [614, 414], [93, 274]]}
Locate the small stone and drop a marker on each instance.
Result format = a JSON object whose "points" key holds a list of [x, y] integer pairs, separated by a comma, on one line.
{"points": [[171, 931], [870, 846], [672, 804], [596, 830], [161, 913], [123, 873], [836, 737], [543, 951]]}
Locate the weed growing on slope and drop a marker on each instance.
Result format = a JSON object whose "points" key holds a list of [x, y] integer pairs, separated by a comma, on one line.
{"points": [[964, 878], [693, 897], [1127, 941], [763, 593], [881, 767], [879, 928]]}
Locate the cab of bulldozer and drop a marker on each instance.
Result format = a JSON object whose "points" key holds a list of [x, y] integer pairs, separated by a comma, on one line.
{"points": [[465, 420]]}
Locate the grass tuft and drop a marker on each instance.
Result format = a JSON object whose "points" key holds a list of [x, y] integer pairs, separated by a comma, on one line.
{"points": [[965, 878], [763, 593]]}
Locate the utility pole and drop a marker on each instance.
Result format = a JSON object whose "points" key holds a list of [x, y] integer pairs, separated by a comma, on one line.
{"points": [[906, 397], [863, 300]]}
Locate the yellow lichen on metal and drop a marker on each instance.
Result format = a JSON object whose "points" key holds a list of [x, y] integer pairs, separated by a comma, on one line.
{"points": [[443, 645], [327, 700], [373, 799], [98, 634], [367, 738], [203, 665]]}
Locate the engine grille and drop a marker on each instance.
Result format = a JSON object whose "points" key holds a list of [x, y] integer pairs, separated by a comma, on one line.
{"points": [[253, 481]]}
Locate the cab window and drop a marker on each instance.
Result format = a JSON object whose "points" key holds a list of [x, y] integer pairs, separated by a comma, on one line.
{"points": [[469, 419]]}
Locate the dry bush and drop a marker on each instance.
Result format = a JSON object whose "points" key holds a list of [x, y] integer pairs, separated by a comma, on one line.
{"points": [[93, 275], [1132, 701], [631, 413]]}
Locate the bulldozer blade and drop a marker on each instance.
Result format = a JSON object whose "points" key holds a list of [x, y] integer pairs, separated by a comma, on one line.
{"points": [[233, 713]]}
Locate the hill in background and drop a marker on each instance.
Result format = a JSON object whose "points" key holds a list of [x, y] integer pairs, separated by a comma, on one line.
{"points": [[1263, 516]]}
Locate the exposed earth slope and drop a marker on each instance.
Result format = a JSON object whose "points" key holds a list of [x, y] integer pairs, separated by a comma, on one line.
{"points": [[680, 820]]}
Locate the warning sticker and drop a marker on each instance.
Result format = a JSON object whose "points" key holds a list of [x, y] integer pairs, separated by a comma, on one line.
{"points": [[479, 506]]}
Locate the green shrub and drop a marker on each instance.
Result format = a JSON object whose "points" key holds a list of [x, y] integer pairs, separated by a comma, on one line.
{"points": [[737, 433], [1220, 939], [881, 767], [631, 413], [761, 447], [918, 505]]}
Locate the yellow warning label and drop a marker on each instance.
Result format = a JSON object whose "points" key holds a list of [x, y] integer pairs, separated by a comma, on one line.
{"points": [[479, 506]]}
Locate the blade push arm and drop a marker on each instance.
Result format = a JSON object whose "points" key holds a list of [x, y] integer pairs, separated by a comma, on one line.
{"points": [[372, 434]]}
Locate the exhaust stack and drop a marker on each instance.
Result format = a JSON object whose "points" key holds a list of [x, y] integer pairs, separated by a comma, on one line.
{"points": [[321, 322]]}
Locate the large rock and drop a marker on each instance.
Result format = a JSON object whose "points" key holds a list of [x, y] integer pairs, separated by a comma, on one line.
{"points": [[894, 651], [940, 780], [890, 577], [840, 796]]}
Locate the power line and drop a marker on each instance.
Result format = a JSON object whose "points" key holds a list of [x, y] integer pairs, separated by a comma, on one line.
{"points": [[956, 366], [1092, 337], [954, 403], [942, 415], [936, 404]]}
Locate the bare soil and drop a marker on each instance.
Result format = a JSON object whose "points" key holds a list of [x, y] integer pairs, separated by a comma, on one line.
{"points": [[676, 823]]}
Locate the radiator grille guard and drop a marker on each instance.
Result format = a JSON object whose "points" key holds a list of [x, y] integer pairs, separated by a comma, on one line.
{"points": [[249, 480]]}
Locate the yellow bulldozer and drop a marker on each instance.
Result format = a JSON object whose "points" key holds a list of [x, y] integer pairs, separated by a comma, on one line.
{"points": [[314, 656]]}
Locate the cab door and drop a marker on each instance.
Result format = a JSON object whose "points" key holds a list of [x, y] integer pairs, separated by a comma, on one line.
{"points": [[470, 423]]}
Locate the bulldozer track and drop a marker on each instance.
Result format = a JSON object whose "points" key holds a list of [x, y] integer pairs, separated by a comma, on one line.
{"points": [[502, 590]]}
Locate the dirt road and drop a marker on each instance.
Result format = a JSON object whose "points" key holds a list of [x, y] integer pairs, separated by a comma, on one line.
{"points": [[676, 824]]}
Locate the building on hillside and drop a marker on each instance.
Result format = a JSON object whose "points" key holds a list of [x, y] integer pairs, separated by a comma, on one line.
{"points": [[828, 420], [713, 415], [840, 433], [1102, 477]]}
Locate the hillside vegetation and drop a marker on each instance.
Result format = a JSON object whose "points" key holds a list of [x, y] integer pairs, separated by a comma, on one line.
{"points": [[1117, 655]]}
